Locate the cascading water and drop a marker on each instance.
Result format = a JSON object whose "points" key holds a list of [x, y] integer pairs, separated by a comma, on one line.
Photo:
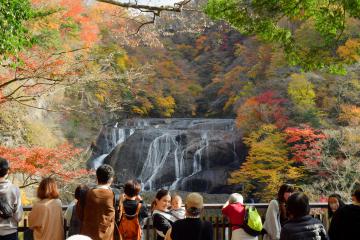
{"points": [[158, 152], [114, 137], [170, 153]]}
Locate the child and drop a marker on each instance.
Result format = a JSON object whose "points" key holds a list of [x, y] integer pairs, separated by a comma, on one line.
{"points": [[176, 210]]}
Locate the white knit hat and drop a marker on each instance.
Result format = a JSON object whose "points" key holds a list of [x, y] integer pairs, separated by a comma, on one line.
{"points": [[78, 237]]}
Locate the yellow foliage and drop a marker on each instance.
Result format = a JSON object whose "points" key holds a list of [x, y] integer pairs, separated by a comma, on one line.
{"points": [[350, 115], [137, 110], [267, 164], [122, 62], [350, 52], [301, 92], [39, 134], [24, 200], [165, 105], [100, 97]]}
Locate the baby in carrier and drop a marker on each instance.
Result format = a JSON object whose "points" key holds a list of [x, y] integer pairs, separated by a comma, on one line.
{"points": [[176, 207]]}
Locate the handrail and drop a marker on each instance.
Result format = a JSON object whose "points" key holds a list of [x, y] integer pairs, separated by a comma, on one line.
{"points": [[222, 228], [217, 205]]}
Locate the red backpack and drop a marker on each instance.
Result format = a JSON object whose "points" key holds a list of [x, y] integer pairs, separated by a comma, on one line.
{"points": [[129, 226]]}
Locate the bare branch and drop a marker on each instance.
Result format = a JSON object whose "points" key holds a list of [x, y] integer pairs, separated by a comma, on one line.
{"points": [[176, 8]]}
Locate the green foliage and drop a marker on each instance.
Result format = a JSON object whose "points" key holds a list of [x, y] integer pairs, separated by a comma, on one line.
{"points": [[14, 35], [275, 21]]}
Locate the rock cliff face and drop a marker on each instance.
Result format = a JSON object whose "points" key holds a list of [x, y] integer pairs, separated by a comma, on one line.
{"points": [[182, 154]]}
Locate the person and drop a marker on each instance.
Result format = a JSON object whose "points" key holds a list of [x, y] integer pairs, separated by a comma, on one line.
{"points": [[334, 203], [300, 224], [78, 237], [71, 214], [162, 218], [10, 197], [346, 221], [192, 227], [234, 210], [133, 211], [98, 215], [276, 213], [46, 217], [176, 209]]}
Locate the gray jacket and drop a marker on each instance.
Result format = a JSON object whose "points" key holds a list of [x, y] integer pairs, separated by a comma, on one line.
{"points": [[305, 227], [9, 226]]}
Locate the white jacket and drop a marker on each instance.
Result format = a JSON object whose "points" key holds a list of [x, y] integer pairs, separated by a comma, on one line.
{"points": [[272, 221]]}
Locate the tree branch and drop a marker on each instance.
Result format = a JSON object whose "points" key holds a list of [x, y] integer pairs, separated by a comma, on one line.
{"points": [[176, 8]]}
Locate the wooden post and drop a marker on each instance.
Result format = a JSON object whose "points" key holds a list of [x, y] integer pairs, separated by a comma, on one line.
{"points": [[217, 227]]}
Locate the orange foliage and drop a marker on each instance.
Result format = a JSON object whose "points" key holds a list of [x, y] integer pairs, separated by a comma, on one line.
{"points": [[350, 115], [265, 108], [305, 144], [350, 52], [41, 162]]}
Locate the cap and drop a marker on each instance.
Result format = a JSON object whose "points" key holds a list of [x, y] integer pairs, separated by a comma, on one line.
{"points": [[194, 200]]}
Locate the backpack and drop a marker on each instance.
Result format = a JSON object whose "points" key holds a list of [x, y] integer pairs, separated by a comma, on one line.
{"points": [[6, 209], [252, 221], [129, 227], [116, 205]]}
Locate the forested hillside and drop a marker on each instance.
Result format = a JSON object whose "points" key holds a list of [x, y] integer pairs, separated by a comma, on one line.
{"points": [[87, 66]]}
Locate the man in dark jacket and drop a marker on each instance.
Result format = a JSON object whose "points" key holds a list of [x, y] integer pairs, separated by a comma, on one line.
{"points": [[345, 224], [301, 225], [192, 227]]}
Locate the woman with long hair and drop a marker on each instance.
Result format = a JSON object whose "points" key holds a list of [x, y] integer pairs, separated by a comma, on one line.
{"points": [[46, 217], [162, 218], [335, 202], [73, 214], [276, 214]]}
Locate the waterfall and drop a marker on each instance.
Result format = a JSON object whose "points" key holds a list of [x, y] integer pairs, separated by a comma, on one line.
{"points": [[159, 151], [114, 137], [99, 160], [170, 153], [197, 156]]}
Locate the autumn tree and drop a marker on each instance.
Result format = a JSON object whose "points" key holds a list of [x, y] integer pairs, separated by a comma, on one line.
{"points": [[305, 145], [302, 94], [277, 22], [267, 165], [339, 169], [55, 61], [265, 108], [349, 115], [33, 163]]}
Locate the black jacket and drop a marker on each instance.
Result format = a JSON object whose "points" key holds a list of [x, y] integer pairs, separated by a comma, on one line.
{"points": [[304, 228], [192, 229], [130, 207], [345, 224]]}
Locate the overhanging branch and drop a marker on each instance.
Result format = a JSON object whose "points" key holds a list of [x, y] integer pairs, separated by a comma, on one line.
{"points": [[176, 8]]}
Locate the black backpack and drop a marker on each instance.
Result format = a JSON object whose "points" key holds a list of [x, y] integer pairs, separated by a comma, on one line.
{"points": [[6, 209], [117, 212], [116, 204]]}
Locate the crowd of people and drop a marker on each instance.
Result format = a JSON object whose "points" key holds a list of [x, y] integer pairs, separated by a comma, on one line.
{"points": [[102, 213]]}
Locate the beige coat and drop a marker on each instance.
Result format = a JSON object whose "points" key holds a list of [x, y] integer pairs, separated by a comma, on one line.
{"points": [[99, 214], [46, 219]]}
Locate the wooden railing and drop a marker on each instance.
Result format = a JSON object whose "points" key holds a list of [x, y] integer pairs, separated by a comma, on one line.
{"points": [[212, 213]]}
